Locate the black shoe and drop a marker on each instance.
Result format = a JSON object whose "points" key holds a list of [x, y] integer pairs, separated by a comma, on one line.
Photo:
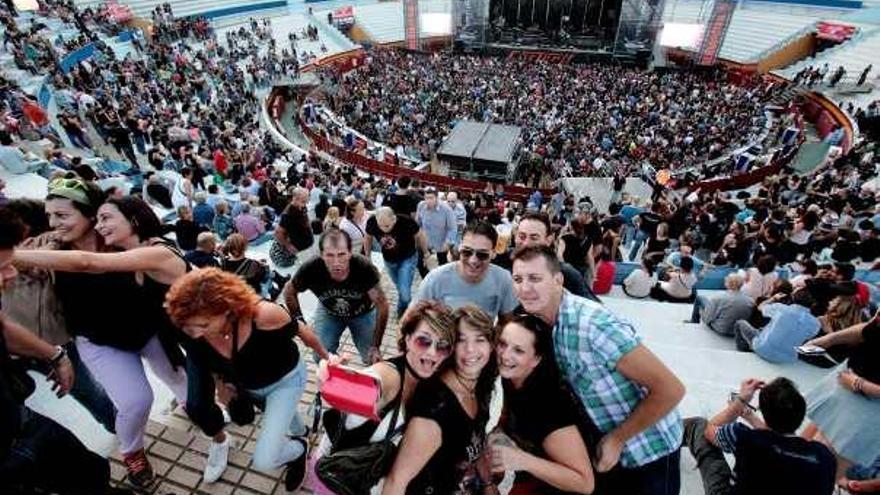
{"points": [[296, 469]]}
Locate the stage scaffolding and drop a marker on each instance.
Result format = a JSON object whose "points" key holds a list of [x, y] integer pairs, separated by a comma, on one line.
{"points": [[639, 23], [470, 22]]}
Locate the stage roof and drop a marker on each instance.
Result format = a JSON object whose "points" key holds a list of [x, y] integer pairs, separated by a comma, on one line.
{"points": [[481, 141]]}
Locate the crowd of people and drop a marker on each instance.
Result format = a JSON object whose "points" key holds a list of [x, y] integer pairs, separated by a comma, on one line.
{"points": [[508, 365], [575, 119]]}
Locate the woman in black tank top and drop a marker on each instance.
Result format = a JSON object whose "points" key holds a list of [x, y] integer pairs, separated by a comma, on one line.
{"points": [[249, 343], [127, 288], [427, 336]]}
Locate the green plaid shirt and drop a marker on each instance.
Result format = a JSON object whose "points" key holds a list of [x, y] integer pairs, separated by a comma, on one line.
{"points": [[589, 340]]}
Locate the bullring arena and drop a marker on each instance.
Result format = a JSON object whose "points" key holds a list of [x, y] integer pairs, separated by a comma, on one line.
{"points": [[751, 139]]}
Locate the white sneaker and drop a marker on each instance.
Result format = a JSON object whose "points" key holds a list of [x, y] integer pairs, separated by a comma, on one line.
{"points": [[218, 457]]}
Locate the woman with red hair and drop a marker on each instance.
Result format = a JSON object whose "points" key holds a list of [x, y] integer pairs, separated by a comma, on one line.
{"points": [[249, 343]]}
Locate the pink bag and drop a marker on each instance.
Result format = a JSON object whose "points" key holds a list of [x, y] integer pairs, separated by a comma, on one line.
{"points": [[351, 391]]}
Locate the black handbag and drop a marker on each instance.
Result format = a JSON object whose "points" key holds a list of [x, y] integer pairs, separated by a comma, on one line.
{"points": [[354, 471]]}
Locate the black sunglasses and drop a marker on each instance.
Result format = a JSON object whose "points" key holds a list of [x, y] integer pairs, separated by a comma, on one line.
{"points": [[466, 253]]}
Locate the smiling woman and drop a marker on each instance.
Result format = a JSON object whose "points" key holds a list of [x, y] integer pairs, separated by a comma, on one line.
{"points": [[442, 447], [129, 286], [548, 452]]}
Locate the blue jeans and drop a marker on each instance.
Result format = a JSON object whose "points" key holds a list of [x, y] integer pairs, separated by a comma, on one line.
{"points": [[279, 401], [660, 477], [402, 274], [699, 303], [86, 390], [280, 418], [640, 237], [329, 329]]}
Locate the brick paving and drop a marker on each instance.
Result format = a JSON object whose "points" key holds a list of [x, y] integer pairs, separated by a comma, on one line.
{"points": [[177, 449]]}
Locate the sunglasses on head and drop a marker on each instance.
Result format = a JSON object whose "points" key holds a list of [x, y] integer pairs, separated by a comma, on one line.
{"points": [[67, 183], [466, 253], [441, 347]]}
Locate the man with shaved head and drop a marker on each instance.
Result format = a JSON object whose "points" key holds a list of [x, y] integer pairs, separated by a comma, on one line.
{"points": [[293, 236]]}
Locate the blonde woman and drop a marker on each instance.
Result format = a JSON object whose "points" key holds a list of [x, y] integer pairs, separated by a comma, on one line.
{"points": [[843, 312], [333, 218]]}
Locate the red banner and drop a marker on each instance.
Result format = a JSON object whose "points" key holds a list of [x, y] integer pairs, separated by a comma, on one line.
{"points": [[834, 32]]}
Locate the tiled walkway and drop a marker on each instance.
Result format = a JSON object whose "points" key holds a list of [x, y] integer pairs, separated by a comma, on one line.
{"points": [[177, 449]]}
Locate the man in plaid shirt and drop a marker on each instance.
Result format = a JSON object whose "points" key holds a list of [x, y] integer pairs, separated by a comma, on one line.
{"points": [[628, 393]]}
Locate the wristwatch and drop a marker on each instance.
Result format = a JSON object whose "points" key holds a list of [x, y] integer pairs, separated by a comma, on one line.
{"points": [[60, 353]]}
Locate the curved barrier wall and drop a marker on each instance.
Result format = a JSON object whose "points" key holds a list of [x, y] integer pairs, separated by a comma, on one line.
{"points": [[344, 62]]}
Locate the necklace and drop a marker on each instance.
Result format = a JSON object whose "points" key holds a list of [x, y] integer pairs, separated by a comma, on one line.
{"points": [[464, 385]]}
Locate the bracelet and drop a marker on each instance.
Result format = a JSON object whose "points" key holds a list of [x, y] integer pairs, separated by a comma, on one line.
{"points": [[857, 386], [60, 354]]}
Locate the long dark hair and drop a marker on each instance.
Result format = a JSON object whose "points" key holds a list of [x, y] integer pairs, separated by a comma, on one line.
{"points": [[143, 220], [546, 373]]}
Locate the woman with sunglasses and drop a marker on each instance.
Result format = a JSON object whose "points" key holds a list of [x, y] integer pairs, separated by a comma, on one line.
{"points": [[127, 286], [442, 448], [547, 451], [426, 340]]}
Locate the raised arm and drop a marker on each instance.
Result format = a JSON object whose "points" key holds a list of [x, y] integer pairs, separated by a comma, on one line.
{"points": [[153, 259], [421, 440]]}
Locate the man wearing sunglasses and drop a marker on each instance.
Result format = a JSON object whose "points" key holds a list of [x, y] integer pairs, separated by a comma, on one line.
{"points": [[630, 395], [473, 279]]}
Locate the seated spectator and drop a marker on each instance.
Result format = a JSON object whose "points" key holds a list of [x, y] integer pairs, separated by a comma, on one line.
{"points": [[770, 458], [810, 268], [203, 255], [831, 281], [658, 243], [640, 281], [721, 313], [843, 312], [679, 284], [223, 224], [758, 280], [790, 326], [234, 261], [185, 230], [156, 192], [203, 213], [248, 225], [605, 272]]}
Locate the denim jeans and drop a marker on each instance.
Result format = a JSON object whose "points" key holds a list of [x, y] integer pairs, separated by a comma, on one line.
{"points": [[46, 455], [86, 390], [640, 237], [660, 477], [280, 404], [402, 274], [329, 329], [280, 417], [699, 304], [744, 333]]}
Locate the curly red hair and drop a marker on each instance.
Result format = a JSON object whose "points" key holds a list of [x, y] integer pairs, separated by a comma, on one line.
{"points": [[210, 292]]}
